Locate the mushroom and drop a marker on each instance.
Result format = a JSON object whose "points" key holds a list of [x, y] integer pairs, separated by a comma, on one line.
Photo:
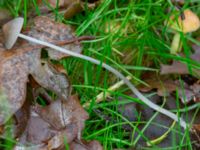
{"points": [[188, 22], [11, 31], [14, 33]]}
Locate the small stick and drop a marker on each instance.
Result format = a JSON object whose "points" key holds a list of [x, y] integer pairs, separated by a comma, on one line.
{"points": [[103, 95]]}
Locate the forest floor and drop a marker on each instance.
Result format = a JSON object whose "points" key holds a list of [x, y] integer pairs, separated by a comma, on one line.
{"points": [[149, 42]]}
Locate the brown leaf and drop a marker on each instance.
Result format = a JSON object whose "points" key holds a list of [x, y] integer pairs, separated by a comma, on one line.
{"points": [[163, 85], [196, 89], [47, 76], [21, 117], [61, 113], [195, 135], [178, 67], [166, 86], [49, 125], [72, 7], [25, 59], [78, 6]]}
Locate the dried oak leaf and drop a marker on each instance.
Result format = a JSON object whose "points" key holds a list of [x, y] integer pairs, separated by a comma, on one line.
{"points": [[25, 59], [45, 131], [178, 67]]}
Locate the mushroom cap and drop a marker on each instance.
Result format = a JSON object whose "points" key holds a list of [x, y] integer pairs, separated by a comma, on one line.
{"points": [[189, 23], [11, 31]]}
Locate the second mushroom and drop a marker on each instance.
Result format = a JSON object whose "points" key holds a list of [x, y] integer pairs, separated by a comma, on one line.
{"points": [[185, 23]]}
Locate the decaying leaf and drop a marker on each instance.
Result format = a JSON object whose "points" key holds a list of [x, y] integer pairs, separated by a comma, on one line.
{"points": [[163, 84], [40, 127], [48, 126], [77, 6], [71, 7], [165, 87], [195, 135], [62, 113], [196, 88], [25, 59], [178, 67]]}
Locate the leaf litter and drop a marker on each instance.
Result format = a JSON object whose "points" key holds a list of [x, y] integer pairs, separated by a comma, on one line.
{"points": [[35, 126], [178, 67], [69, 7], [46, 127]]}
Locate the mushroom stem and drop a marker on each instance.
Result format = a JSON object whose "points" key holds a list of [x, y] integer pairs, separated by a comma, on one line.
{"points": [[114, 71], [176, 44]]}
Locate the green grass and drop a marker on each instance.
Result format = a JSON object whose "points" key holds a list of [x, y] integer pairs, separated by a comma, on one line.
{"points": [[130, 36]]}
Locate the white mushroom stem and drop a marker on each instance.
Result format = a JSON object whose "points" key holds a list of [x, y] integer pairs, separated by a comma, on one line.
{"points": [[114, 71], [176, 44]]}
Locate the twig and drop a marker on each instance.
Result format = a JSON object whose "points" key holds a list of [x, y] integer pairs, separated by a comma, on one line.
{"points": [[103, 95]]}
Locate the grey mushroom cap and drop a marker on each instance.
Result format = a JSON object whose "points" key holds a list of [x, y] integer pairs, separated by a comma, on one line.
{"points": [[11, 31]]}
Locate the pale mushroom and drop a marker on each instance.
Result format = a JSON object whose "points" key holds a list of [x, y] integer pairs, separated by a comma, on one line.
{"points": [[189, 22], [12, 23], [11, 31]]}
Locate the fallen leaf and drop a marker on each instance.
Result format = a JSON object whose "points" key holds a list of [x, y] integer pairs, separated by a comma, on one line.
{"points": [[49, 125], [165, 87], [25, 59], [60, 113], [71, 7], [195, 135], [178, 67]]}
